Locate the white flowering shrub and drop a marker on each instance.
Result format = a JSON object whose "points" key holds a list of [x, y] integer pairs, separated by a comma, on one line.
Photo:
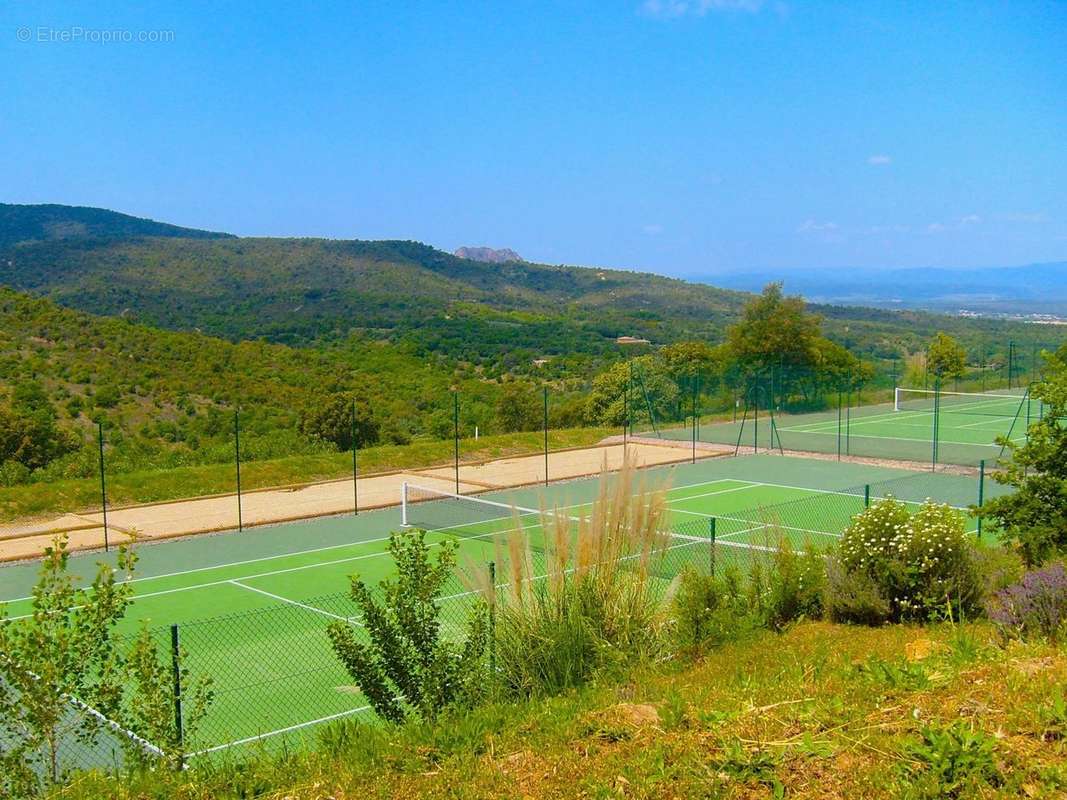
{"points": [[922, 565]]}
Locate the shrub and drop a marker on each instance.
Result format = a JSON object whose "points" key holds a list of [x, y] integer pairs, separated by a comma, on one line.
{"points": [[921, 565], [709, 610], [852, 596], [794, 586], [407, 669], [1034, 607]]}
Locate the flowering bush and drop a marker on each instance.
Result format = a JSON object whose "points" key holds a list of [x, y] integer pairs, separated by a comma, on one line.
{"points": [[920, 564], [1034, 607]]}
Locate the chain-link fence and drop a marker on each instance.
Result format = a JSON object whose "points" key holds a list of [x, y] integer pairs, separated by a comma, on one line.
{"points": [[895, 412]]}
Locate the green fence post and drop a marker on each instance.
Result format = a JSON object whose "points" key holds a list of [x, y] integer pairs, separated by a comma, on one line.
{"points": [[176, 675], [355, 471], [711, 535], [1011, 360], [492, 620], [981, 494], [867, 495], [839, 424], [455, 436], [546, 436], [103, 484], [695, 419], [237, 463]]}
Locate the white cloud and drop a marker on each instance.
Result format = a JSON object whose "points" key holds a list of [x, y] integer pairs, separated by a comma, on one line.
{"points": [[879, 160], [970, 219], [699, 8], [653, 230], [811, 226]]}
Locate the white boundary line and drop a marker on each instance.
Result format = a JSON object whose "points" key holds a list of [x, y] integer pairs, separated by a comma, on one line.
{"points": [[749, 485], [305, 606], [261, 736]]}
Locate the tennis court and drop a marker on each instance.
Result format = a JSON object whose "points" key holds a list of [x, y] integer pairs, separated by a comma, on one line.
{"points": [[256, 625], [918, 425]]}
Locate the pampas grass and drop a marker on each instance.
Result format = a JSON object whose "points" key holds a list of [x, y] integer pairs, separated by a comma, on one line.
{"points": [[587, 604]]}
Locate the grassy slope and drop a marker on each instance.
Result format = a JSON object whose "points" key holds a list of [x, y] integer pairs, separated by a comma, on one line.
{"points": [[809, 713]]}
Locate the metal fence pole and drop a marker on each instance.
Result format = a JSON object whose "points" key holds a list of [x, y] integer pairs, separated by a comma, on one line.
{"points": [[176, 674], [237, 463], [455, 436], [839, 424], [981, 494], [546, 436], [867, 495], [695, 419], [355, 469], [492, 619], [103, 484], [711, 536]]}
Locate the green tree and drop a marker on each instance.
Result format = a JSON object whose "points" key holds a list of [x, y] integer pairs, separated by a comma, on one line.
{"points": [[61, 655], [685, 360], [519, 407], [945, 357], [408, 669], [330, 419], [607, 400], [1034, 516], [29, 432], [774, 331]]}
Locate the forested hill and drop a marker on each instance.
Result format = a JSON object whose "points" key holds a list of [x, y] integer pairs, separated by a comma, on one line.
{"points": [[314, 291], [24, 223]]}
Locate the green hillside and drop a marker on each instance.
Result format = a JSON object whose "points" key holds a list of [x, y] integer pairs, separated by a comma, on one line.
{"points": [[22, 223], [307, 292]]}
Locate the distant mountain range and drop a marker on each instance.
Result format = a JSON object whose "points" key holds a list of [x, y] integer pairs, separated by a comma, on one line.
{"points": [[1029, 290], [488, 254], [319, 292]]}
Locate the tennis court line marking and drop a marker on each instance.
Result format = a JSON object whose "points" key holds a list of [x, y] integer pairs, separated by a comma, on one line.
{"points": [[891, 438], [224, 581], [325, 548], [367, 555], [305, 606], [262, 736]]}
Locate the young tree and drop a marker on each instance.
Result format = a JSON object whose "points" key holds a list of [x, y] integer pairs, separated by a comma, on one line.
{"points": [[946, 357], [330, 419], [1034, 516], [63, 653], [407, 669]]}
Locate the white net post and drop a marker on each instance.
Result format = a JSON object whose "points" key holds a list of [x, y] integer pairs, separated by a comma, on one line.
{"points": [[404, 504], [896, 398]]}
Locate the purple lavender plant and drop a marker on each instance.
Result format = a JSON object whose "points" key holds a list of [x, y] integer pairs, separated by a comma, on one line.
{"points": [[1036, 606]]}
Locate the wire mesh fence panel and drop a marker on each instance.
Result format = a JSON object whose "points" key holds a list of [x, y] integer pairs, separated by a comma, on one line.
{"points": [[77, 739], [273, 672], [780, 410]]}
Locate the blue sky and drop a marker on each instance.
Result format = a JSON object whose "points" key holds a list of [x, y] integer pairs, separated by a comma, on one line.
{"points": [[684, 137]]}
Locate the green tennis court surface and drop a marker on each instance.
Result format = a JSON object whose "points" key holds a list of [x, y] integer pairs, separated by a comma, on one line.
{"points": [[964, 430], [258, 626]]}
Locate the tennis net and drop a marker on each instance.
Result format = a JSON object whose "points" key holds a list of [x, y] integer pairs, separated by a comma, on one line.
{"points": [[973, 403], [689, 542]]}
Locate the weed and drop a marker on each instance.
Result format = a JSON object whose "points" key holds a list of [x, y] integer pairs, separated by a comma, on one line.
{"points": [[951, 761]]}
